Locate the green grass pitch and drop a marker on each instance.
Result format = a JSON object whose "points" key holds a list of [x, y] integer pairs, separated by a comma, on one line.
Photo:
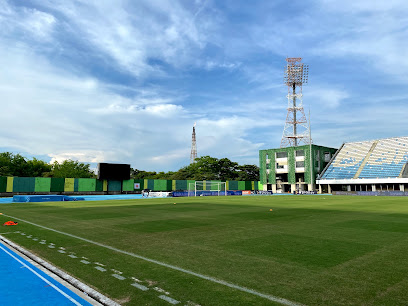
{"points": [[312, 250]]}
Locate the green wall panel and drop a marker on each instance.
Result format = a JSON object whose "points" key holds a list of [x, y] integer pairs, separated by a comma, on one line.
{"points": [[233, 185], [248, 185], [10, 183], [241, 185], [212, 185], [86, 184], [57, 184], [181, 185], [114, 185], [160, 185], [69, 184], [76, 185], [150, 184], [24, 184], [291, 165], [128, 185], [190, 187], [262, 166], [42, 184], [141, 182], [99, 185], [169, 185], [199, 186], [3, 184]]}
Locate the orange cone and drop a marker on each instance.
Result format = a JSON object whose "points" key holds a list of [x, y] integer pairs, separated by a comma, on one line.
{"points": [[10, 223]]}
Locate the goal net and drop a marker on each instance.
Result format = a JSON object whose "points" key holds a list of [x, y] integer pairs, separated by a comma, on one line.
{"points": [[205, 188]]}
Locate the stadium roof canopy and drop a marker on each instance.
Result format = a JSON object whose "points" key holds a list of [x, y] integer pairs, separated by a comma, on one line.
{"points": [[369, 162]]}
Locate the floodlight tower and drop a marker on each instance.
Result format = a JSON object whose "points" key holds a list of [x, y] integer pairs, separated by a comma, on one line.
{"points": [[296, 131], [193, 154]]}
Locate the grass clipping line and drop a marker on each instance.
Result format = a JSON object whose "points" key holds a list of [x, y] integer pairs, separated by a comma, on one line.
{"points": [[209, 278], [73, 281]]}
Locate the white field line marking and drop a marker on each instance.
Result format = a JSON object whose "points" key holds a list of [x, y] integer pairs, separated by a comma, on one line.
{"points": [[209, 278], [169, 299], [44, 279], [119, 277], [141, 287]]}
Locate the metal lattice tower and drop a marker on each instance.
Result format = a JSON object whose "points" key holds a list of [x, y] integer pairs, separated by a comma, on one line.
{"points": [[193, 154], [296, 131]]}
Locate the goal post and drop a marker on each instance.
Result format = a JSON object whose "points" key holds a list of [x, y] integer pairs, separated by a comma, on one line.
{"points": [[207, 188]]}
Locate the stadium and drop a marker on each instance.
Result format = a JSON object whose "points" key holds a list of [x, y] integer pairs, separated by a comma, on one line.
{"points": [[309, 232]]}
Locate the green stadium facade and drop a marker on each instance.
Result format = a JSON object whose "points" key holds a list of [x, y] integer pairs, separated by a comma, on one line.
{"points": [[289, 169]]}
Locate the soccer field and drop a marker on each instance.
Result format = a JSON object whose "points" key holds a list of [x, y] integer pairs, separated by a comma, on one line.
{"points": [[266, 250]]}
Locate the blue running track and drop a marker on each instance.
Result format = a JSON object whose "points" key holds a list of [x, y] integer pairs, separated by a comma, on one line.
{"points": [[22, 283]]}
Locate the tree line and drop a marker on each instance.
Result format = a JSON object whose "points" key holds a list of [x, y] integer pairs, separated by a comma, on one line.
{"points": [[204, 168], [17, 165]]}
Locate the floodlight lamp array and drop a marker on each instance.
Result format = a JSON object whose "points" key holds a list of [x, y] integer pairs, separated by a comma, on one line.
{"points": [[296, 74]]}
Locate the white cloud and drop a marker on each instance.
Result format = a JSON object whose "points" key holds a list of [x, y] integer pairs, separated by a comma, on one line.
{"points": [[25, 22], [87, 157], [135, 33], [60, 57], [49, 111], [373, 32], [326, 97]]}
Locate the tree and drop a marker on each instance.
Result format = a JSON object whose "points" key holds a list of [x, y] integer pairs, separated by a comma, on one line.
{"points": [[36, 167], [71, 168], [6, 164], [17, 165], [248, 173], [205, 168], [140, 174]]}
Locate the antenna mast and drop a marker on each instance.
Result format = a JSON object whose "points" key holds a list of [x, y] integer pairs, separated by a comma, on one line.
{"points": [[296, 130], [193, 154]]}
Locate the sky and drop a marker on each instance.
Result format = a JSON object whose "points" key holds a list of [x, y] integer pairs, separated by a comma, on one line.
{"points": [[124, 81]]}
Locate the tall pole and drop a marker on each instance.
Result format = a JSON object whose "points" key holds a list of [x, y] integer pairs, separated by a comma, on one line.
{"points": [[311, 158], [193, 154], [296, 128], [294, 115]]}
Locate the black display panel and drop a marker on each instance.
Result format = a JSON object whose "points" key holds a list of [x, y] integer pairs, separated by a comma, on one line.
{"points": [[116, 172]]}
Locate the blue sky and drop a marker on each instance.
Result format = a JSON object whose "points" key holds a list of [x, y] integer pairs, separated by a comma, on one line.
{"points": [[124, 81]]}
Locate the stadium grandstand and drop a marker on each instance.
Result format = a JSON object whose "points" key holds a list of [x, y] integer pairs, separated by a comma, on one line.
{"points": [[375, 165]]}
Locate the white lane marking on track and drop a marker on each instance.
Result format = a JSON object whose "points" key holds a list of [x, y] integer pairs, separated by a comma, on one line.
{"points": [[209, 278], [44, 279]]}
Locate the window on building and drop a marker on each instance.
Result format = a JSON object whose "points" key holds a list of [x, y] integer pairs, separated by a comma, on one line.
{"points": [[300, 153], [327, 156], [300, 164], [281, 154], [279, 166]]}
